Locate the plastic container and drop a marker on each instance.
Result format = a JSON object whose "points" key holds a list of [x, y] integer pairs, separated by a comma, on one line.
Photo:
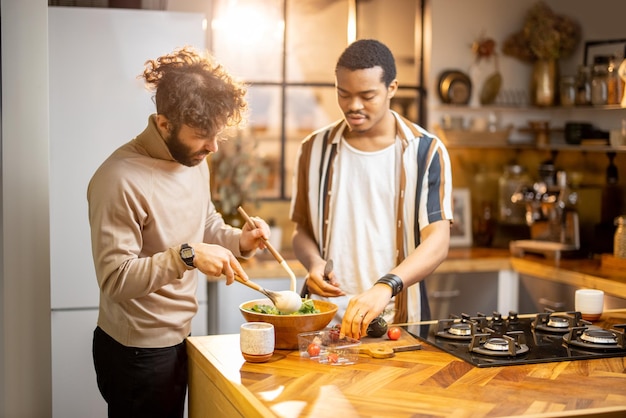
{"points": [[327, 348]]}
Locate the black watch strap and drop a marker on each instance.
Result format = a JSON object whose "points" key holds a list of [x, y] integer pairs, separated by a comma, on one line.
{"points": [[187, 254]]}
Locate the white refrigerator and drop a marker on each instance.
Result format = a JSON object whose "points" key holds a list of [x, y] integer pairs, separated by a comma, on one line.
{"points": [[97, 103]]}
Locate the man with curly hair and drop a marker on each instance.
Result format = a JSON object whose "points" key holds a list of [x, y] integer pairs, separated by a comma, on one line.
{"points": [[152, 225], [372, 191]]}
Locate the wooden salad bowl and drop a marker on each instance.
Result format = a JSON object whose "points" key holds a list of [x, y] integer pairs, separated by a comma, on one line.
{"points": [[287, 327]]}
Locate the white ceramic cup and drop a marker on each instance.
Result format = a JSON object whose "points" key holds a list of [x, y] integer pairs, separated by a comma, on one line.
{"points": [[256, 340], [590, 303]]}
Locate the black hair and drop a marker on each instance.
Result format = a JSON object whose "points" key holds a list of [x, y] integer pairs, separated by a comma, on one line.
{"points": [[369, 53]]}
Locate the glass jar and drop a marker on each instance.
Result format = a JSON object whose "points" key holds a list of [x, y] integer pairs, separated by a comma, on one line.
{"points": [[599, 80], [612, 87], [513, 178], [619, 241], [568, 90], [583, 86]]}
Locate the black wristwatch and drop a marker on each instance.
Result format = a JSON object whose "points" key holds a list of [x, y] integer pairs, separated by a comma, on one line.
{"points": [[187, 254]]}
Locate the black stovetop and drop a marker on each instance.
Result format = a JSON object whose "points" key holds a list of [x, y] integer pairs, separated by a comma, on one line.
{"points": [[529, 338]]}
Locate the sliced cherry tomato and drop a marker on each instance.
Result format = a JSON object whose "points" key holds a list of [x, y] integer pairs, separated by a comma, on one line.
{"points": [[313, 350], [333, 357], [333, 333], [394, 333]]}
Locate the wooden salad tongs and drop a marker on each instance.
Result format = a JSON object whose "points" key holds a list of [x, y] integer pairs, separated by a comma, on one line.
{"points": [[272, 250]]}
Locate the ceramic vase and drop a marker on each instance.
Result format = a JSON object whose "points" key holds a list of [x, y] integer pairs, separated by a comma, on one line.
{"points": [[544, 86]]}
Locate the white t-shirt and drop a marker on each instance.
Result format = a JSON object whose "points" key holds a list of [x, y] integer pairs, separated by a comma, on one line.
{"points": [[365, 189]]}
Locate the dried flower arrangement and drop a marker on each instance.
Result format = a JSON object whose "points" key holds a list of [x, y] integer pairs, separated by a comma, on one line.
{"points": [[544, 36], [237, 174]]}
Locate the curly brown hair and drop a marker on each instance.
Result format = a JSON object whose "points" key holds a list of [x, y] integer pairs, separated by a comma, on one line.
{"points": [[194, 90]]}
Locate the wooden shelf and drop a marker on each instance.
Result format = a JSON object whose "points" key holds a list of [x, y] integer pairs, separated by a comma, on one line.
{"points": [[503, 108], [551, 147]]}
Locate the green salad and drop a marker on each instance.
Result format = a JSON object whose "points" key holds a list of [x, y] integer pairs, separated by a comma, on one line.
{"points": [[307, 308]]}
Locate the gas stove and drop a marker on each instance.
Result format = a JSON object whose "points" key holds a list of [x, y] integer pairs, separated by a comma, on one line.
{"points": [[487, 341]]}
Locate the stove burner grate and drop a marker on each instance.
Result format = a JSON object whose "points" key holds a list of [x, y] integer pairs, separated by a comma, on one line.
{"points": [[463, 329], [510, 344], [557, 323], [595, 338]]}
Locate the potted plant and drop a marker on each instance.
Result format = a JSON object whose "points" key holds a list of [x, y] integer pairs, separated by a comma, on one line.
{"points": [[238, 173]]}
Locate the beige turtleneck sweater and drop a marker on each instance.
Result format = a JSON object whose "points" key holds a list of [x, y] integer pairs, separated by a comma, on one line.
{"points": [[142, 206]]}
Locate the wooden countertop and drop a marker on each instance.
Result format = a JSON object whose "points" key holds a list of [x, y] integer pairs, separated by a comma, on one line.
{"points": [[423, 383], [589, 273], [459, 260]]}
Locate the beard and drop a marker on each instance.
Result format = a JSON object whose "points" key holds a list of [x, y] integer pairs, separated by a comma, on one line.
{"points": [[182, 153]]}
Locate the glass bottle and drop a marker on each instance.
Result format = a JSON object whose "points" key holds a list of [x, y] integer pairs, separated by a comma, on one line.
{"points": [[612, 86], [564, 206], [513, 178], [619, 239], [599, 80], [583, 86], [568, 90], [566, 199]]}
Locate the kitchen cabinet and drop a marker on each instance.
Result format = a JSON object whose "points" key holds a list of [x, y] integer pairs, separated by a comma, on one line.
{"points": [[502, 291], [536, 294], [472, 292]]}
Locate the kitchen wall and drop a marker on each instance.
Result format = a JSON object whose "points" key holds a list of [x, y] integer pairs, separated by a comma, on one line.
{"points": [[25, 366]]}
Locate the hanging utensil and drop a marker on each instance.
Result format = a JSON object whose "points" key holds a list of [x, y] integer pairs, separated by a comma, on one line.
{"points": [[272, 250], [285, 301]]}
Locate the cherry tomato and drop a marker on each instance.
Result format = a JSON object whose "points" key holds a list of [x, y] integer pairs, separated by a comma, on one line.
{"points": [[313, 350], [394, 333], [333, 358], [333, 333]]}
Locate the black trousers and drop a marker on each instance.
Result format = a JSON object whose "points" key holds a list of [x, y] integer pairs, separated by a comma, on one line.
{"points": [[140, 382]]}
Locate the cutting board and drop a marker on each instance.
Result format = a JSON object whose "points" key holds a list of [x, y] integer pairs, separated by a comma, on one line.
{"points": [[383, 347]]}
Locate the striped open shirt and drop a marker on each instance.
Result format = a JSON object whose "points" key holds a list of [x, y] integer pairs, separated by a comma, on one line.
{"points": [[427, 191]]}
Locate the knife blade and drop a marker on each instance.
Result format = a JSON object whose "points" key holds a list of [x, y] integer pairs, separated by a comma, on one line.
{"points": [[328, 269]]}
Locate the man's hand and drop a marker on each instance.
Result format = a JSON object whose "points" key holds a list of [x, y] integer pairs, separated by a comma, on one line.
{"points": [[254, 237], [319, 284], [214, 260], [363, 309]]}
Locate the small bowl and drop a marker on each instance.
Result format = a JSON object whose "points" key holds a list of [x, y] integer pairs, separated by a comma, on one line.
{"points": [[327, 348], [287, 327]]}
